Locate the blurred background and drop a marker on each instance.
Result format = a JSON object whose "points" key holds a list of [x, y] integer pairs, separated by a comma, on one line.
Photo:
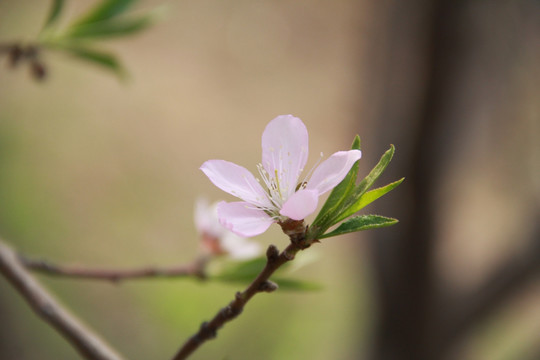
{"points": [[101, 172]]}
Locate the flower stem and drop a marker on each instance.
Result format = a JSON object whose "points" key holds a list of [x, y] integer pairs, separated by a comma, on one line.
{"points": [[194, 269], [296, 231]]}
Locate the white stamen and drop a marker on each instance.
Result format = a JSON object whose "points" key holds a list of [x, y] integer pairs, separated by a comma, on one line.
{"points": [[280, 184]]}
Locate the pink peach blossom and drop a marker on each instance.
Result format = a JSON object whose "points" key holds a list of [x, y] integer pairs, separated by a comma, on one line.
{"points": [[282, 194]]}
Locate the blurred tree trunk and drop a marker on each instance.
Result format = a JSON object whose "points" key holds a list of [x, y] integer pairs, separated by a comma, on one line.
{"points": [[430, 68]]}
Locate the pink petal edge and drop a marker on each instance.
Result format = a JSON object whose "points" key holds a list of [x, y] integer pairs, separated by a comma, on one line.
{"points": [[285, 147], [301, 204], [243, 219], [235, 180], [334, 169]]}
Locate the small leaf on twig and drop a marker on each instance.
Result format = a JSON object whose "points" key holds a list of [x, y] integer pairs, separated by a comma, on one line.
{"points": [[297, 285], [347, 198], [107, 9], [360, 223], [343, 211], [98, 57], [240, 270], [341, 192], [374, 174], [54, 13], [245, 271], [368, 197], [111, 28]]}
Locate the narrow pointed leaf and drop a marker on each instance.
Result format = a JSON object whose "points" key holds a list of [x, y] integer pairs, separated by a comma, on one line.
{"points": [[241, 270], [111, 28], [339, 194], [360, 223], [54, 13], [368, 198], [245, 271], [374, 174], [283, 283], [296, 285], [362, 187], [102, 58], [107, 9], [341, 212]]}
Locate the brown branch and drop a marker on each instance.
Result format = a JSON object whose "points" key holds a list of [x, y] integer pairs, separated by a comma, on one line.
{"points": [[18, 53], [88, 344], [208, 330], [6, 47], [195, 269]]}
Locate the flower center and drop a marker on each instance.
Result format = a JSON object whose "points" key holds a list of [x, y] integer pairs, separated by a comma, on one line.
{"points": [[277, 186], [276, 190]]}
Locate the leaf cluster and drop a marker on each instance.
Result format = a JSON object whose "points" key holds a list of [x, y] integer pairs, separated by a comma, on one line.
{"points": [[107, 19], [349, 197]]}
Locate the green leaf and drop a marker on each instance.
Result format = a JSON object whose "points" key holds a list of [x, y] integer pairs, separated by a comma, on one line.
{"points": [[338, 195], [111, 28], [102, 58], [296, 285], [369, 197], [360, 223], [283, 283], [240, 270], [341, 207], [54, 13], [244, 272], [364, 185], [107, 9], [374, 174]]}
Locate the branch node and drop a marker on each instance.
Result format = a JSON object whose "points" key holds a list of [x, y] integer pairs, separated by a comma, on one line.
{"points": [[289, 255], [230, 311], [272, 253], [207, 332], [268, 286]]}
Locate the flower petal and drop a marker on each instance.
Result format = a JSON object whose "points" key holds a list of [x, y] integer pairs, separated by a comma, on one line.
{"points": [[240, 248], [206, 220], [334, 169], [243, 219], [285, 151], [300, 204], [236, 180]]}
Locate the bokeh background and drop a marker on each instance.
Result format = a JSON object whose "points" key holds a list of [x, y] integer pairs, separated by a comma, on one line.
{"points": [[101, 172]]}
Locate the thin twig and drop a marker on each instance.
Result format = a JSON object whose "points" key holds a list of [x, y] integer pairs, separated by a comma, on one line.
{"points": [[88, 344], [195, 269], [7, 47], [208, 330]]}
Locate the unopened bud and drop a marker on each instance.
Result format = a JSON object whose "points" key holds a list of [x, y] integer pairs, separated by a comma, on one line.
{"points": [[272, 253], [268, 286]]}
